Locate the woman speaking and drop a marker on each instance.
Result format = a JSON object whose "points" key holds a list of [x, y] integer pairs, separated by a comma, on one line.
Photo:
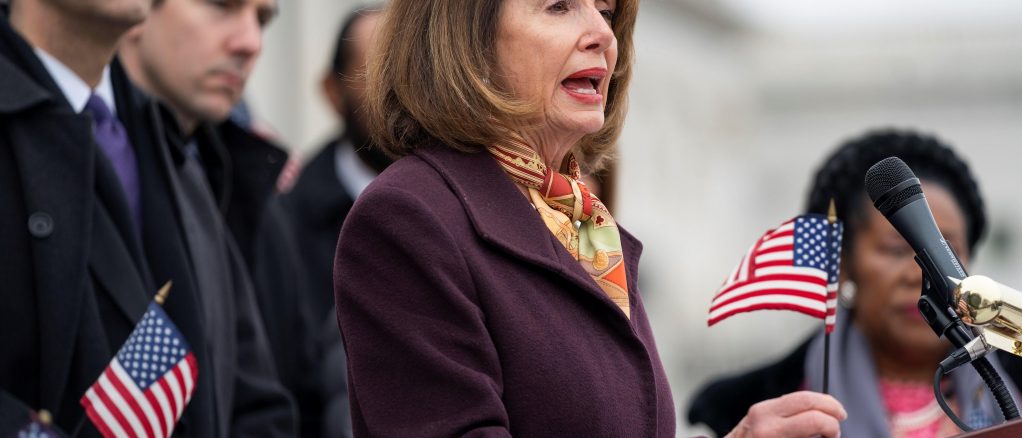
{"points": [[481, 289]]}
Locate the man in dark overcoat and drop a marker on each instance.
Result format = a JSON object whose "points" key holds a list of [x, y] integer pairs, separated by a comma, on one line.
{"points": [[89, 231]]}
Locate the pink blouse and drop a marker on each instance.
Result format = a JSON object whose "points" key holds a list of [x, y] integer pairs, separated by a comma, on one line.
{"points": [[913, 412]]}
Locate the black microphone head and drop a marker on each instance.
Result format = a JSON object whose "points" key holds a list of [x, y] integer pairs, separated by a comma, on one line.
{"points": [[891, 184]]}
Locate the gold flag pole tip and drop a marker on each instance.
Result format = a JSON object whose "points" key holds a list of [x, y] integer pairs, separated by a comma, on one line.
{"points": [[832, 212], [161, 296]]}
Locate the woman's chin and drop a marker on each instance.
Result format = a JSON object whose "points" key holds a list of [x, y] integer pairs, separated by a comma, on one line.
{"points": [[585, 124], [919, 340]]}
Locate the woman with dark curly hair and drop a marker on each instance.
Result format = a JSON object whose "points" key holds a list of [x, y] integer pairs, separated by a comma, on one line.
{"points": [[883, 353]]}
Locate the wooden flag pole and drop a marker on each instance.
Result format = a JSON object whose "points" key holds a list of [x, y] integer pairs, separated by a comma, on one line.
{"points": [[161, 295], [832, 219]]}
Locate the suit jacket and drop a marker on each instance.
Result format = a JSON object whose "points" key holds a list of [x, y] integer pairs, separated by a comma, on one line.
{"points": [[318, 204], [77, 277], [722, 403], [463, 315]]}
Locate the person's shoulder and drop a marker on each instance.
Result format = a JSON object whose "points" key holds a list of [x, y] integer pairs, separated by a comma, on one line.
{"points": [[409, 191], [412, 176], [18, 90], [722, 403], [438, 173]]}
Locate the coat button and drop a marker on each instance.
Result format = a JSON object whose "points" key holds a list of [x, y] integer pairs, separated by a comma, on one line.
{"points": [[40, 225]]}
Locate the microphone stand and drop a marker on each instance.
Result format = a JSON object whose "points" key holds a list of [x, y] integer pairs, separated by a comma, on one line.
{"points": [[945, 322]]}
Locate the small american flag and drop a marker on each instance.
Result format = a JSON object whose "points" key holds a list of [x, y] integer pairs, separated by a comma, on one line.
{"points": [[792, 267], [40, 425], [147, 385]]}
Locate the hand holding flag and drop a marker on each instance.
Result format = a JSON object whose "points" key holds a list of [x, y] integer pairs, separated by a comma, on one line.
{"points": [[792, 267]]}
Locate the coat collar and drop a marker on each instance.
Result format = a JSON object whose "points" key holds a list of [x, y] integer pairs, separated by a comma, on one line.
{"points": [[19, 91], [502, 216], [255, 165], [18, 65], [245, 180]]}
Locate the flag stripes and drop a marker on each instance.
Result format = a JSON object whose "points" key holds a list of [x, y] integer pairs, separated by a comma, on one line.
{"points": [[792, 267]]}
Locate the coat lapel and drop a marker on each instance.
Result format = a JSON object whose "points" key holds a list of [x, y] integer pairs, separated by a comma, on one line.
{"points": [[502, 216], [115, 245]]}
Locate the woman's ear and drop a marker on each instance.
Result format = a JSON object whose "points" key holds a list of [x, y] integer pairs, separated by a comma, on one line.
{"points": [[846, 282]]}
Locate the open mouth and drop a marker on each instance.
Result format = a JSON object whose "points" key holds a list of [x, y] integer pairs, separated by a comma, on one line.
{"points": [[586, 82], [582, 85]]}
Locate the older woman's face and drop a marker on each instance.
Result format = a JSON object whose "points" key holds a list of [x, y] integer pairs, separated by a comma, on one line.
{"points": [[889, 281], [561, 55]]}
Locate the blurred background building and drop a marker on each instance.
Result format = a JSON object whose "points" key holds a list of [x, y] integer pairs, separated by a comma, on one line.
{"points": [[733, 104]]}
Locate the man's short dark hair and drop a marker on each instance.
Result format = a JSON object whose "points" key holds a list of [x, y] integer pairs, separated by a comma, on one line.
{"points": [[344, 47]]}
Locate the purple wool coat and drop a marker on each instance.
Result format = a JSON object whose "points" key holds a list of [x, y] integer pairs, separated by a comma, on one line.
{"points": [[463, 316]]}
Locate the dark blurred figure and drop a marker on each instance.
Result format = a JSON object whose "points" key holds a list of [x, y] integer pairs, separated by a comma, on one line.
{"points": [[196, 57], [325, 190], [95, 219], [883, 354], [330, 182]]}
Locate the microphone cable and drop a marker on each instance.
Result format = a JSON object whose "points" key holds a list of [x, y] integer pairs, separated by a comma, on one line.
{"points": [[974, 352], [943, 403]]}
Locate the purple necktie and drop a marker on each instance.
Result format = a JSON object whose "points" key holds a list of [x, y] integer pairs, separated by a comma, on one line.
{"points": [[113, 140]]}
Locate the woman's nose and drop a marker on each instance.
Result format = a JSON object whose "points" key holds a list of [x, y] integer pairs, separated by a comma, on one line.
{"points": [[912, 273], [598, 35]]}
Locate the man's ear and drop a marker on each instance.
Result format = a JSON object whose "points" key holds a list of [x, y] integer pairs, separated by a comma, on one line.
{"points": [[331, 87], [133, 35]]}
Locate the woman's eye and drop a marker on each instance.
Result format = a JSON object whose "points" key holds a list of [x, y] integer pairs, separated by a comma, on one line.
{"points": [[608, 15], [561, 6], [897, 250]]}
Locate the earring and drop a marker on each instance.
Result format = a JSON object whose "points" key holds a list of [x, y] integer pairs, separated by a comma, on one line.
{"points": [[846, 294]]}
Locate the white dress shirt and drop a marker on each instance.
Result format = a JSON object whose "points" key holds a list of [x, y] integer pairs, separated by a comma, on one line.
{"points": [[75, 90]]}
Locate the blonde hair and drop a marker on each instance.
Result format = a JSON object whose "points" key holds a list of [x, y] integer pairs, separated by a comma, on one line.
{"points": [[428, 78]]}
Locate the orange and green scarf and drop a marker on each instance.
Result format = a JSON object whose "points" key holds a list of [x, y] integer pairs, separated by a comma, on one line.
{"points": [[563, 201]]}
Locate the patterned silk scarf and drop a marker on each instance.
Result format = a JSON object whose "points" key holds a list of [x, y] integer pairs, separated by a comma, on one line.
{"points": [[562, 201]]}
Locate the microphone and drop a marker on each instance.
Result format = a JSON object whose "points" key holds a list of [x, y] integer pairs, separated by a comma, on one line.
{"points": [[898, 195]]}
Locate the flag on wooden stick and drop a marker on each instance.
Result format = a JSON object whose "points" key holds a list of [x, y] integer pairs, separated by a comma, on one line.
{"points": [[147, 385]]}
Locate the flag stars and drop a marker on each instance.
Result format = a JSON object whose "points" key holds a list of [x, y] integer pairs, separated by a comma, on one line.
{"points": [[151, 350]]}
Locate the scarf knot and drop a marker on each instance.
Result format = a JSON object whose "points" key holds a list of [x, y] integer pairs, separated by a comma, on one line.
{"points": [[563, 201]]}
